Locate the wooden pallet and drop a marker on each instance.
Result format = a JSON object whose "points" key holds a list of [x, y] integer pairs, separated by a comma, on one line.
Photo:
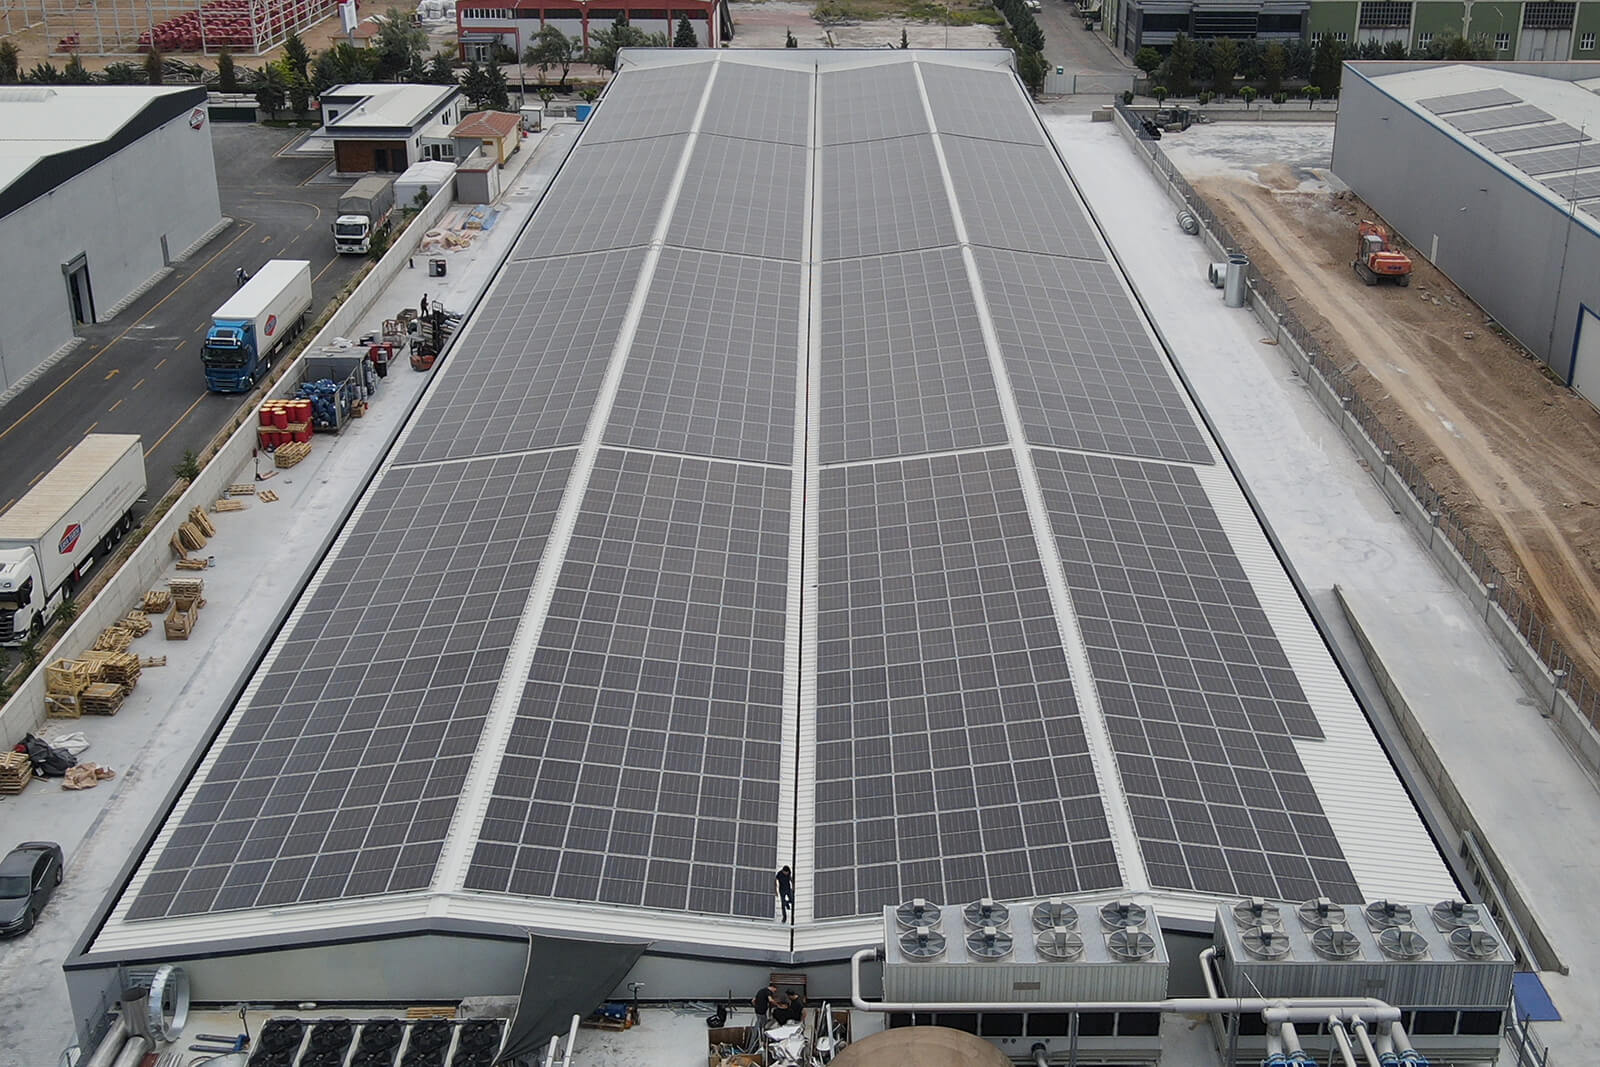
{"points": [[186, 588], [152, 661], [16, 771], [113, 639], [67, 677], [121, 668], [60, 706], [291, 454], [194, 564], [197, 515], [155, 602], [242, 489], [136, 622], [103, 698], [431, 1011], [266, 496], [180, 621], [229, 505]]}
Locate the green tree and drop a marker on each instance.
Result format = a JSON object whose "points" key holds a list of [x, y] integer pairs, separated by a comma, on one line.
{"points": [[498, 97], [1224, 65], [551, 49], [122, 74], [1274, 62], [43, 74], [1248, 94], [342, 64], [1148, 60], [271, 90], [905, 42], [1394, 50], [1031, 68], [299, 96], [440, 70], [187, 469], [1327, 64], [75, 73], [788, 39], [1160, 93], [473, 83], [227, 74], [1250, 50], [1312, 93], [296, 57], [547, 96], [399, 42], [685, 37], [9, 63], [1297, 59], [1180, 64], [154, 70], [605, 44]]}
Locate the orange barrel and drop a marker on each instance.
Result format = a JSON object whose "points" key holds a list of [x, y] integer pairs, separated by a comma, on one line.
{"points": [[265, 415], [280, 416], [302, 410], [304, 435]]}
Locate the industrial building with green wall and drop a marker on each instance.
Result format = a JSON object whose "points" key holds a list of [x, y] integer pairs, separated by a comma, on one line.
{"points": [[1545, 30]]}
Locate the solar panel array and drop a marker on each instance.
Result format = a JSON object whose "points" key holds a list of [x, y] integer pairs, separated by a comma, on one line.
{"points": [[1449, 105], [1495, 118], [1556, 159], [1581, 186], [1524, 137], [615, 698]]}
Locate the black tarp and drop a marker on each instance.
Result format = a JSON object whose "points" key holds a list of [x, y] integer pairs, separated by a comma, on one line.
{"points": [[564, 978]]}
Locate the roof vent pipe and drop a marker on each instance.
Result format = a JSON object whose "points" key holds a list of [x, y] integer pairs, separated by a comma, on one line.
{"points": [[1233, 287], [105, 1053]]}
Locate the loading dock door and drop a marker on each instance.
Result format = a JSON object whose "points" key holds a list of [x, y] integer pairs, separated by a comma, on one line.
{"points": [[1586, 355], [79, 292]]}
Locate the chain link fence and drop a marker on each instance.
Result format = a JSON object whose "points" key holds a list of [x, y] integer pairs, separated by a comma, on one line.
{"points": [[1579, 684]]}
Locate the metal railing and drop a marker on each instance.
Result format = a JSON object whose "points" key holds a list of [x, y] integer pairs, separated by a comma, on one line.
{"points": [[1524, 616]]}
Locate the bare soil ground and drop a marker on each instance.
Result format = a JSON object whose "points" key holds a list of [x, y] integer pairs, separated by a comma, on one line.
{"points": [[1515, 454]]}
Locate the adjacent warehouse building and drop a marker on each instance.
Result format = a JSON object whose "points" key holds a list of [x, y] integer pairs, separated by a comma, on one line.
{"points": [[807, 490], [1493, 173], [101, 187]]}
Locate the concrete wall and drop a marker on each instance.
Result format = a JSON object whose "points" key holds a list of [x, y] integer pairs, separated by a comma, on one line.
{"points": [[163, 185], [1520, 256], [150, 563]]}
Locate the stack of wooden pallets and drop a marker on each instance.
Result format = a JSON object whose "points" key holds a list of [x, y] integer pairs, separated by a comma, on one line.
{"points": [[103, 698], [16, 771], [64, 683], [186, 604], [119, 668]]}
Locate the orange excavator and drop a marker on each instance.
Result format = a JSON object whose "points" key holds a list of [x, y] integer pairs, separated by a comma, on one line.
{"points": [[1377, 260]]}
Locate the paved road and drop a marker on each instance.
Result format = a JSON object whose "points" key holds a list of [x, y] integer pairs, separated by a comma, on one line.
{"points": [[140, 373], [1068, 45]]}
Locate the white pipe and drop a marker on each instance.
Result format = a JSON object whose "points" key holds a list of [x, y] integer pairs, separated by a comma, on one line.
{"points": [[1303, 1009], [572, 1039], [1206, 956], [1397, 1033], [110, 1046], [1274, 1045], [550, 1051], [1291, 1043], [1041, 1055], [133, 1052], [1346, 1053], [1359, 1025]]}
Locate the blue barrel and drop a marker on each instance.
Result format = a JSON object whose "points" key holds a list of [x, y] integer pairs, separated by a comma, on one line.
{"points": [[584, 110]]}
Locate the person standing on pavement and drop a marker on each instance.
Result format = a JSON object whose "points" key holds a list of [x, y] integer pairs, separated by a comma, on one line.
{"points": [[785, 882], [764, 1001]]}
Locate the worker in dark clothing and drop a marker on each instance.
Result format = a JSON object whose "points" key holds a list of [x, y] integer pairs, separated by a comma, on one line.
{"points": [[764, 1001], [792, 1010], [423, 305], [785, 880], [240, 276]]}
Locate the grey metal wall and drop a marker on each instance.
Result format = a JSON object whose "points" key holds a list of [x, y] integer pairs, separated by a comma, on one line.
{"points": [[1524, 259]]}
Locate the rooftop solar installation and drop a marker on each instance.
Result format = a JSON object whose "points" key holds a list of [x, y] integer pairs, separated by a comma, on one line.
{"points": [[1584, 185], [1543, 136], [1554, 160], [808, 489], [1495, 118], [1449, 105]]}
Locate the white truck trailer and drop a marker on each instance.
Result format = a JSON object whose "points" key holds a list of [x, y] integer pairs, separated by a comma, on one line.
{"points": [[363, 208], [74, 516], [255, 324]]}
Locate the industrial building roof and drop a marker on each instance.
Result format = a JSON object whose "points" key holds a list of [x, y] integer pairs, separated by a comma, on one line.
{"points": [[1533, 122], [809, 489], [50, 133], [363, 106]]}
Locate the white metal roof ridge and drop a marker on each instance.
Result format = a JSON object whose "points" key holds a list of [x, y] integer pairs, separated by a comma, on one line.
{"points": [[1383, 838], [797, 795], [451, 870], [1114, 802]]}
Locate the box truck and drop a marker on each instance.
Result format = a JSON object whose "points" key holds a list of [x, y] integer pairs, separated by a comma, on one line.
{"points": [[362, 209], [74, 516], [257, 323]]}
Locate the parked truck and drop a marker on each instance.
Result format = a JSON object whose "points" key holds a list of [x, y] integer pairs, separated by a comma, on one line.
{"points": [[74, 516], [256, 324], [363, 208]]}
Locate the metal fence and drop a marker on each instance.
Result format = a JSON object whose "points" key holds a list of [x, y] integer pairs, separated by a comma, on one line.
{"points": [[1579, 684]]}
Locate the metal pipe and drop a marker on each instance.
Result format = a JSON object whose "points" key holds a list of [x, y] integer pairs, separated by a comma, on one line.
{"points": [[1359, 1025], [550, 1051], [1274, 1057], [1291, 1045], [106, 1052], [1301, 1009], [1340, 1038], [572, 1039], [1041, 1054], [133, 1052], [1206, 956]]}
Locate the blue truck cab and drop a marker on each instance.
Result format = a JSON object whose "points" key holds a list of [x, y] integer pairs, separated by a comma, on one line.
{"points": [[255, 325]]}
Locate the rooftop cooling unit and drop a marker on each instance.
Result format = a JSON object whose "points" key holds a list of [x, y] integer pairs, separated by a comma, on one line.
{"points": [[1335, 943], [1130, 944], [1320, 912], [1265, 942], [1120, 914], [986, 912], [1254, 911], [917, 912], [1048, 914], [1059, 945], [923, 944], [1384, 914], [990, 943], [1470, 944], [1402, 943], [1454, 914]]}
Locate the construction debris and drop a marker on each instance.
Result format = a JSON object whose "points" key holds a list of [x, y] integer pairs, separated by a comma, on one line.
{"points": [[86, 776]]}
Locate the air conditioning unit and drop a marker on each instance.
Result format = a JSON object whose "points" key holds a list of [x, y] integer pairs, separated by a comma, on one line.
{"points": [[986, 912]]}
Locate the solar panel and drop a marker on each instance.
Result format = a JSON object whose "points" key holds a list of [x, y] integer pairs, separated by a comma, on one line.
{"points": [[1015, 196], [1582, 186], [610, 195], [743, 196], [1529, 137], [527, 376], [1201, 703], [648, 103], [951, 761], [904, 369], [713, 366], [1495, 118], [1449, 105], [339, 775], [1571, 157], [979, 103], [1083, 369], [643, 765], [759, 104], [883, 196], [869, 104]]}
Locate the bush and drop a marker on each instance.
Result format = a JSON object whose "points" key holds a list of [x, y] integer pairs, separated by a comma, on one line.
{"points": [[1205, 96], [1127, 96], [1279, 98]]}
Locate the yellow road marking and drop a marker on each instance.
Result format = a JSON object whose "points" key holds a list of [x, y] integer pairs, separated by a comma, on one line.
{"points": [[113, 373], [161, 364], [90, 430], [174, 426], [177, 346], [267, 238], [137, 384], [115, 406]]}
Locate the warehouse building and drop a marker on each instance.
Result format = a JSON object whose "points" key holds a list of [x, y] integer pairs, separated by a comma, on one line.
{"points": [[1493, 173], [849, 519], [103, 187]]}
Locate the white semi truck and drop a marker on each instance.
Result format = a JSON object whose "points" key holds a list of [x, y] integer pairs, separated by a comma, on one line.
{"points": [[255, 324], [363, 208], [74, 516]]}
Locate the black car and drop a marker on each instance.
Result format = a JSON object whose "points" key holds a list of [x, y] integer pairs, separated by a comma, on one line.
{"points": [[28, 878]]}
